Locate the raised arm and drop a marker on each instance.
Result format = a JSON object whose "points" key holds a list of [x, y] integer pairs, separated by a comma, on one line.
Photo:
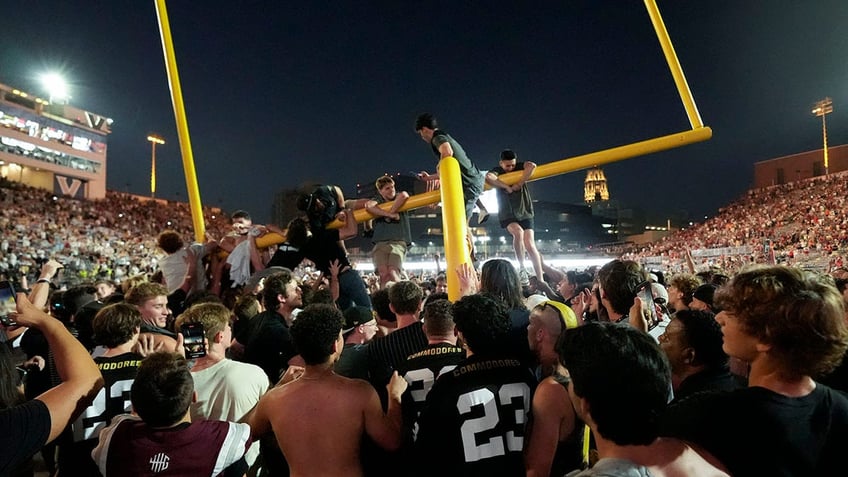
{"points": [[41, 289], [81, 379], [384, 429]]}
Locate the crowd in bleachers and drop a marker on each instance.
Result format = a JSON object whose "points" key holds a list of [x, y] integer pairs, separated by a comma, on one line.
{"points": [[112, 238], [800, 222]]}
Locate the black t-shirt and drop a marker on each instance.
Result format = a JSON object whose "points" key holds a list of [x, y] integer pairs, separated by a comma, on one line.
{"points": [[268, 344], [755, 431], [323, 247], [286, 256], [474, 419], [25, 430], [515, 206]]}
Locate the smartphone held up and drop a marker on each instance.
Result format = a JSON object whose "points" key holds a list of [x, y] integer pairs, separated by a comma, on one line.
{"points": [[649, 311], [8, 304], [193, 343]]}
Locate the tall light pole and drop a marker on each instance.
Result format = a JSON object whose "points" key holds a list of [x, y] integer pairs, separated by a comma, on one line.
{"points": [[154, 140], [822, 108]]}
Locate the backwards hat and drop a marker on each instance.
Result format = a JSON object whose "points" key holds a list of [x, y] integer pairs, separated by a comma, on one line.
{"points": [[355, 316]]}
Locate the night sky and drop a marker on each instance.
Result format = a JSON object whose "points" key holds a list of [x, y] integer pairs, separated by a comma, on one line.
{"points": [[278, 93]]}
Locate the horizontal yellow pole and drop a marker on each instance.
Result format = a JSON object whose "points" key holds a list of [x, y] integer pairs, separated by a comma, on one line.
{"points": [[565, 166]]}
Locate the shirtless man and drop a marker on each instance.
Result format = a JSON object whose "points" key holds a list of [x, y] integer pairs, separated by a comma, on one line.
{"points": [[301, 413], [256, 255]]}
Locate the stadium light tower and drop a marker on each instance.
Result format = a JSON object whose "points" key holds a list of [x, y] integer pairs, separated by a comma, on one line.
{"points": [[57, 88], [154, 140], [822, 109]]}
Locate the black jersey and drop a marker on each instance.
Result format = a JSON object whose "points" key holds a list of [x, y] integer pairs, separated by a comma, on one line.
{"points": [[421, 370], [474, 418], [81, 436]]}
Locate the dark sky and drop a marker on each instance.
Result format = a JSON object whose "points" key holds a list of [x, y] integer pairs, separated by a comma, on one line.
{"points": [[278, 92]]}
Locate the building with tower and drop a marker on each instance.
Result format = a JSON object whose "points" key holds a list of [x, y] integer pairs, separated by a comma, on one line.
{"points": [[595, 186]]}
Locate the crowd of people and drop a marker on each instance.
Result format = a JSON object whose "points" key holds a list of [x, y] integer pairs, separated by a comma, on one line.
{"points": [[262, 351], [799, 223], [502, 381], [112, 238]]}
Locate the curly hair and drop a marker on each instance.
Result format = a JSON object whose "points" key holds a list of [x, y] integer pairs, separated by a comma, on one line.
{"points": [[685, 284], [170, 241], [483, 321], [315, 331], [801, 315], [116, 324]]}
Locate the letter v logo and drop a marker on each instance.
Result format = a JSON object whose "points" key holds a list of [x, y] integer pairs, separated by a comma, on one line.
{"points": [[67, 189]]}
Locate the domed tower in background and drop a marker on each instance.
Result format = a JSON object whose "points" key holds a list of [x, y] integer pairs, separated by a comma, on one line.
{"points": [[595, 186]]}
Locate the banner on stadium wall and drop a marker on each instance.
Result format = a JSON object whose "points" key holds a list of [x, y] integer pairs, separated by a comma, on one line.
{"points": [[701, 253], [715, 252], [70, 187]]}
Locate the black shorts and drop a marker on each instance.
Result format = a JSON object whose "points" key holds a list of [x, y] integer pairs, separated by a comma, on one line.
{"points": [[526, 224]]}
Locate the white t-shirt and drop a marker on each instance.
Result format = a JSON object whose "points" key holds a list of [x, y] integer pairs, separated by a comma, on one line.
{"points": [[227, 391], [174, 268]]}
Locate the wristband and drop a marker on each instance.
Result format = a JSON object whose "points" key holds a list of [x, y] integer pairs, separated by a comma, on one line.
{"points": [[43, 280]]}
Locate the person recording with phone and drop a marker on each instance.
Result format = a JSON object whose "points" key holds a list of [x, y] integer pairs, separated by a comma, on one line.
{"points": [[226, 390], [618, 280]]}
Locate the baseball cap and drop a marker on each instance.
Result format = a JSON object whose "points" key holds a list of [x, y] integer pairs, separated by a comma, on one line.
{"points": [[355, 316]]}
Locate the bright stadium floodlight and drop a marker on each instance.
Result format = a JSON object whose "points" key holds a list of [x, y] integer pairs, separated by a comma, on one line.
{"points": [[56, 87]]}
